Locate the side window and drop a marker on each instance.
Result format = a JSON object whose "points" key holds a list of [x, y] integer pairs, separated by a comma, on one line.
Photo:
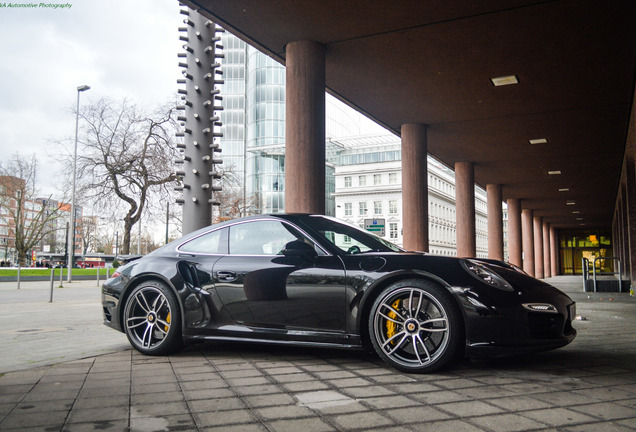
{"points": [[214, 242], [261, 238]]}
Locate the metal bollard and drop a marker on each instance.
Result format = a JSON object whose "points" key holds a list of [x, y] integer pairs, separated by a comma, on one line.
{"points": [[107, 273], [98, 269], [18, 276], [61, 277], [52, 280]]}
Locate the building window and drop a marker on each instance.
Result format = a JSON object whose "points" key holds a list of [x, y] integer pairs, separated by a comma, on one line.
{"points": [[393, 231], [362, 180], [393, 178], [347, 239], [363, 208], [348, 181], [393, 209], [377, 207], [348, 209], [377, 179]]}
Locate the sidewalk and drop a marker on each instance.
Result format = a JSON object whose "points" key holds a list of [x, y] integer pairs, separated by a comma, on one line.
{"points": [[34, 332], [589, 385]]}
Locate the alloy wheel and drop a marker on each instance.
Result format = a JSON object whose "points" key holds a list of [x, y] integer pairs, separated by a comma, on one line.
{"points": [[411, 328], [148, 318]]}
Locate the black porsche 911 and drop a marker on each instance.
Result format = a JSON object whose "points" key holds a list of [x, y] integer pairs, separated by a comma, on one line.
{"points": [[313, 280]]}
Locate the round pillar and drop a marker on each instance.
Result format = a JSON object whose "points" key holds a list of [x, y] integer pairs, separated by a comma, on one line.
{"points": [[547, 269], [415, 187], [305, 128], [538, 247], [527, 235], [495, 222], [465, 209], [515, 250]]}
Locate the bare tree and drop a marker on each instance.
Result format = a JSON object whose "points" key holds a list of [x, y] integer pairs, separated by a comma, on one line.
{"points": [[127, 154], [88, 231], [27, 219], [233, 198]]}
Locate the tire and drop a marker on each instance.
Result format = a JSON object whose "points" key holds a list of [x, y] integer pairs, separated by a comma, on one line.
{"points": [[415, 326], [152, 319]]}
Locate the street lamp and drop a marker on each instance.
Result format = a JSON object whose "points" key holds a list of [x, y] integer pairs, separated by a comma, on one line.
{"points": [[71, 232]]}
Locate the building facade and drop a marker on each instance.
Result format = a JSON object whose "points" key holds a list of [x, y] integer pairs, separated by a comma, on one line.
{"points": [[368, 177], [40, 222]]}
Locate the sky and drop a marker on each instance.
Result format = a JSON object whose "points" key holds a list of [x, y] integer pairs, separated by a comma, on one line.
{"points": [[120, 48]]}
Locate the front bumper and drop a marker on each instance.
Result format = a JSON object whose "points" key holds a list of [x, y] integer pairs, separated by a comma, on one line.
{"points": [[111, 292], [537, 317]]}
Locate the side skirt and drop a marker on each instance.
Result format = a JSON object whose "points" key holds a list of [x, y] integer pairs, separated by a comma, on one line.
{"points": [[355, 346]]}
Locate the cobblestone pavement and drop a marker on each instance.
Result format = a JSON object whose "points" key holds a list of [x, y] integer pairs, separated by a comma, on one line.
{"points": [[589, 385]]}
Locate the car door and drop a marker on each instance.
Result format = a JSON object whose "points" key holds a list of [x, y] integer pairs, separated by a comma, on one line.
{"points": [[262, 288]]}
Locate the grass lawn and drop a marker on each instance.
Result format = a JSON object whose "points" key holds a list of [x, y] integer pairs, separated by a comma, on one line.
{"points": [[47, 272]]}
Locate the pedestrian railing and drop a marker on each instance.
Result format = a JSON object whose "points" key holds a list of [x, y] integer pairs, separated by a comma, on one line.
{"points": [[603, 281]]}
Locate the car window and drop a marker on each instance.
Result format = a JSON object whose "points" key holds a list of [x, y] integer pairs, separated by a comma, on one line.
{"points": [[348, 238], [262, 237], [346, 243], [214, 242]]}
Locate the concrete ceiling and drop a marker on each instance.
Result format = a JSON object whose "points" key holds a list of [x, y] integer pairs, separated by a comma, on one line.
{"points": [[417, 61]]}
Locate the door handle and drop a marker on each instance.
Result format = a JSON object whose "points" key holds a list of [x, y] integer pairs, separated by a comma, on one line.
{"points": [[226, 276]]}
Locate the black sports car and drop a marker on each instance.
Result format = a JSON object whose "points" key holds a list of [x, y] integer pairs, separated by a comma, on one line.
{"points": [[313, 280]]}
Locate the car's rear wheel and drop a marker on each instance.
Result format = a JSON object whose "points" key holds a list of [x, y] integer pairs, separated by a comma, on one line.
{"points": [[152, 319], [415, 326]]}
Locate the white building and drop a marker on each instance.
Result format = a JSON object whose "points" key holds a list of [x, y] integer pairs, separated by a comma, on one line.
{"points": [[368, 177]]}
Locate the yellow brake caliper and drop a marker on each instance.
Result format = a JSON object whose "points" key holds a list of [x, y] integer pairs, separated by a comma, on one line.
{"points": [[166, 328], [391, 327]]}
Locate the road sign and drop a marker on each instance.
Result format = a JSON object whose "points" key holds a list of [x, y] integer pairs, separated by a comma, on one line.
{"points": [[376, 226]]}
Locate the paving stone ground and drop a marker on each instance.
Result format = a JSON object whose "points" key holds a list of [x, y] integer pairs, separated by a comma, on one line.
{"points": [[589, 385]]}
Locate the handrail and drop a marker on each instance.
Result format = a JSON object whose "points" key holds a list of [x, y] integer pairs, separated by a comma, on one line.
{"points": [[586, 272], [619, 273]]}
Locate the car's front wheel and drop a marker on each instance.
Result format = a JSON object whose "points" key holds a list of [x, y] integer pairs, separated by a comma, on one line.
{"points": [[415, 326], [151, 319]]}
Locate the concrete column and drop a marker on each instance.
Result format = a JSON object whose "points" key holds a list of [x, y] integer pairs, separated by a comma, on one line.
{"points": [[627, 249], [547, 269], [528, 241], [537, 233], [415, 187], [554, 252], [495, 222], [305, 128], [514, 232], [465, 209], [630, 189], [622, 245]]}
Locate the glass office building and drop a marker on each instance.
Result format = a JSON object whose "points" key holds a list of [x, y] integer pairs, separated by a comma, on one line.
{"points": [[253, 128]]}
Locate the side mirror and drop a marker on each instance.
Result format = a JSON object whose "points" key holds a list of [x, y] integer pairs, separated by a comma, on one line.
{"points": [[300, 249]]}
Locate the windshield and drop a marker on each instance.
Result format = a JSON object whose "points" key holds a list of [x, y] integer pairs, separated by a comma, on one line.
{"points": [[348, 238]]}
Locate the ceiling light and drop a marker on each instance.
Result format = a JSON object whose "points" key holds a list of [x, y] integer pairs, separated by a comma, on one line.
{"points": [[504, 80], [579, 219], [556, 172], [570, 203], [564, 190], [538, 141], [576, 212], [582, 224]]}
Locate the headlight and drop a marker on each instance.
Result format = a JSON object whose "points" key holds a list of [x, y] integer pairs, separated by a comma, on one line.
{"points": [[540, 307], [485, 275]]}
